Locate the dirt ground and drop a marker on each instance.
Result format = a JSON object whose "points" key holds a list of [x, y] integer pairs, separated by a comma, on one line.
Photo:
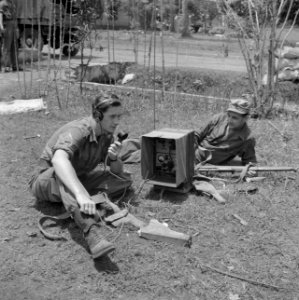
{"points": [[228, 259]]}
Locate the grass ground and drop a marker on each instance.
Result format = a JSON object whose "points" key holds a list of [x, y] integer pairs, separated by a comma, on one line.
{"points": [[263, 254], [265, 251]]}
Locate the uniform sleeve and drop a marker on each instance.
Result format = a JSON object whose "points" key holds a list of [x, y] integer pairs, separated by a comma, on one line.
{"points": [[70, 141], [1, 7], [204, 131], [248, 154]]}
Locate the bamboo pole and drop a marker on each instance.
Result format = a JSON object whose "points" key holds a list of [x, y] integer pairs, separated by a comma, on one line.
{"points": [[162, 50], [154, 100]]}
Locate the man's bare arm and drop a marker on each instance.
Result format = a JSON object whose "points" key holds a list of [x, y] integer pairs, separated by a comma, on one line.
{"points": [[67, 174], [1, 23], [116, 165]]}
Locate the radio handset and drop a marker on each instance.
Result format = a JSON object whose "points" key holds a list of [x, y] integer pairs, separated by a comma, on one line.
{"points": [[121, 136]]}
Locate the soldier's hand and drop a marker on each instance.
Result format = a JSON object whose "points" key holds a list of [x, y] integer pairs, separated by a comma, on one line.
{"points": [[87, 206], [114, 150], [250, 172]]}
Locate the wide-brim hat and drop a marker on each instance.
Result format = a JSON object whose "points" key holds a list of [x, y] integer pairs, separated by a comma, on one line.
{"points": [[240, 106]]}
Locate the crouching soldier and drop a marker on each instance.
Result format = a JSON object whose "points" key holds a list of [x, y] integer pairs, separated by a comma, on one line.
{"points": [[227, 136], [69, 170]]}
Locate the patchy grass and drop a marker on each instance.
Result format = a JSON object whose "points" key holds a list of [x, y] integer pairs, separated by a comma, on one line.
{"points": [[265, 251]]}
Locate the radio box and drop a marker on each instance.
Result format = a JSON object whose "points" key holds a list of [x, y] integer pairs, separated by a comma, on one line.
{"points": [[167, 158]]}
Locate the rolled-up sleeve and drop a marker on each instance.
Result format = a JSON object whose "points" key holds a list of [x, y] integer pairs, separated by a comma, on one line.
{"points": [[70, 141]]}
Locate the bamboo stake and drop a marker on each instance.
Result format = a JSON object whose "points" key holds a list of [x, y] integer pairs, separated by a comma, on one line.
{"points": [[162, 50], [16, 54], [69, 58], [51, 14], [39, 46], [154, 100]]}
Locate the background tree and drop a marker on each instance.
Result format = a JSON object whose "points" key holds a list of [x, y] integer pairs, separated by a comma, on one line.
{"points": [[259, 35], [292, 14], [113, 7], [187, 6], [204, 12]]}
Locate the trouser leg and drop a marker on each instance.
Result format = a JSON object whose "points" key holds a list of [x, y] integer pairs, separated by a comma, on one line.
{"points": [[47, 187], [14, 49], [8, 41], [103, 181]]}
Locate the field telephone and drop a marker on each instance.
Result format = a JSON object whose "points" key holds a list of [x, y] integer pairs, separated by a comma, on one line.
{"points": [[167, 158]]}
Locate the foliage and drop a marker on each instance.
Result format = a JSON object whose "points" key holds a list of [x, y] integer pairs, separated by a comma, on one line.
{"points": [[113, 7], [241, 8], [143, 13], [204, 11], [292, 14], [140, 12], [90, 10]]}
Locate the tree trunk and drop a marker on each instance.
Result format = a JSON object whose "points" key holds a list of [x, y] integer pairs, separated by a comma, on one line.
{"points": [[185, 30], [172, 25], [271, 61]]}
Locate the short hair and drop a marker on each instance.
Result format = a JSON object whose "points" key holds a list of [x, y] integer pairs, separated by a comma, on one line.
{"points": [[102, 102]]}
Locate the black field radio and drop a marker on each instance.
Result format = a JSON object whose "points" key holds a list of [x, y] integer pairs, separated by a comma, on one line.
{"points": [[167, 158]]}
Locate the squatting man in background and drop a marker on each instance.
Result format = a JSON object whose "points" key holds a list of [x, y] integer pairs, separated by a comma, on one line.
{"points": [[226, 136], [69, 170]]}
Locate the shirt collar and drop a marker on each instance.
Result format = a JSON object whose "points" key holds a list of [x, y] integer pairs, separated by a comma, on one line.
{"points": [[94, 135], [243, 132], [93, 127]]}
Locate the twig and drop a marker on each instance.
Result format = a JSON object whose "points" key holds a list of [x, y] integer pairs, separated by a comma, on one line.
{"points": [[32, 137], [270, 123], [254, 282], [119, 233]]}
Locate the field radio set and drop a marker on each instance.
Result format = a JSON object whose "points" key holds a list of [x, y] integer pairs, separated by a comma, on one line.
{"points": [[167, 159]]}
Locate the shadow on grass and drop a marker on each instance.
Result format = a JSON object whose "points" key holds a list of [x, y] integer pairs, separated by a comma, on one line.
{"points": [[156, 194], [105, 265]]}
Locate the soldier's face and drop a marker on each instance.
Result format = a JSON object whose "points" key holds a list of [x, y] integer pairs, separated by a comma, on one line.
{"points": [[111, 119], [235, 120]]}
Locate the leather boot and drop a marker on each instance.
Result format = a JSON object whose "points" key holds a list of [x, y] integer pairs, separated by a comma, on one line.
{"points": [[98, 246]]}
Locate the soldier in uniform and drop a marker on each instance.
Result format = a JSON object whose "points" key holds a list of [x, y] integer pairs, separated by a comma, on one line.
{"points": [[8, 30], [227, 136], [69, 171]]}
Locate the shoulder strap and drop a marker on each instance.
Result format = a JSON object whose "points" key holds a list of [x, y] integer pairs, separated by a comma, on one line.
{"points": [[56, 219]]}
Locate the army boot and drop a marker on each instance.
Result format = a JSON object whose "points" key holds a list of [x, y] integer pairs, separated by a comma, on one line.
{"points": [[98, 246]]}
